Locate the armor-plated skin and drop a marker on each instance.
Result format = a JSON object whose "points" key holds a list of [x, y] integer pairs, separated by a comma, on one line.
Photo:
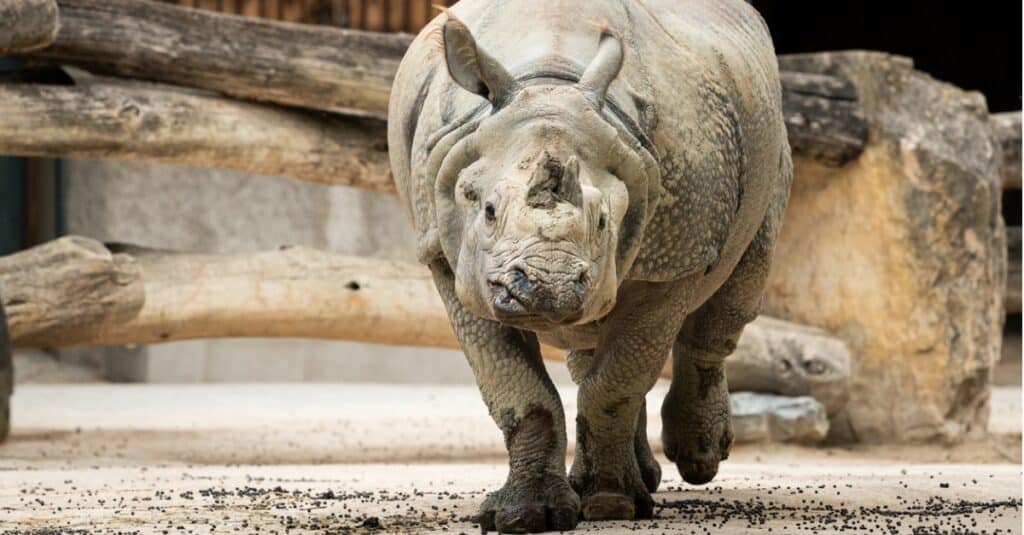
{"points": [[605, 176]]}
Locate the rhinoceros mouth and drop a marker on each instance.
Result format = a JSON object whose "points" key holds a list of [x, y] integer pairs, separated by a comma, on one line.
{"points": [[505, 302], [510, 307]]}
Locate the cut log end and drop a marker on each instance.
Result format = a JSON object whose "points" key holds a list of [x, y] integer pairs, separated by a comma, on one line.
{"points": [[27, 25], [823, 118]]}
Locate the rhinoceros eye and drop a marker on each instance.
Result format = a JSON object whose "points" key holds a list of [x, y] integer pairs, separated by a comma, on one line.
{"points": [[469, 192], [489, 212], [600, 222]]}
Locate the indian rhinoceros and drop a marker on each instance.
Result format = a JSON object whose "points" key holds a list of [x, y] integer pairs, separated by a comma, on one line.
{"points": [[607, 177]]}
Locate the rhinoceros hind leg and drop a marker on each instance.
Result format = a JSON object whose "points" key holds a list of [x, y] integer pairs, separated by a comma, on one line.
{"points": [[696, 420], [697, 433]]}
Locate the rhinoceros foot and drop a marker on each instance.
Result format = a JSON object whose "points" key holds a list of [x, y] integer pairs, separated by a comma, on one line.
{"points": [[623, 498], [544, 503], [697, 428]]}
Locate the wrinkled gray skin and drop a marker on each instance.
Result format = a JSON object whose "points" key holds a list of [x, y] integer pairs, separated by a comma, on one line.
{"points": [[605, 176]]}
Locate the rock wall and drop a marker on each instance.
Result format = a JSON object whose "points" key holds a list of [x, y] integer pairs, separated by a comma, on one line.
{"points": [[901, 253]]}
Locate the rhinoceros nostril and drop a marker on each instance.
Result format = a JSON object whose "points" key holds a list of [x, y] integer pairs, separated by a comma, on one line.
{"points": [[518, 282]]}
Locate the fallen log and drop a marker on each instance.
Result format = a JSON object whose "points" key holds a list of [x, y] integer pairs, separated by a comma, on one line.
{"points": [[27, 25], [160, 124], [341, 70], [294, 64], [299, 292], [1006, 128], [290, 292]]}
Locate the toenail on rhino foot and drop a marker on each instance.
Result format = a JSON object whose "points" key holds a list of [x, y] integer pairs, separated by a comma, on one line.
{"points": [[608, 506]]}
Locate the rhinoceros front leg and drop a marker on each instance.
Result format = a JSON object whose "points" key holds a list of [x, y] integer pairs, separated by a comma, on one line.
{"points": [[607, 470], [523, 401], [579, 362]]}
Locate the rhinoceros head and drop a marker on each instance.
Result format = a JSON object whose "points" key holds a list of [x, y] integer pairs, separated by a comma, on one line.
{"points": [[541, 208]]}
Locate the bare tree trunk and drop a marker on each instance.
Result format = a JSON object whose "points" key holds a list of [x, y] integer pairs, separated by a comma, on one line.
{"points": [[161, 124], [27, 25]]}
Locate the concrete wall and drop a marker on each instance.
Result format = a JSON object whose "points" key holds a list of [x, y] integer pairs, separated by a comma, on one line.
{"points": [[201, 210]]}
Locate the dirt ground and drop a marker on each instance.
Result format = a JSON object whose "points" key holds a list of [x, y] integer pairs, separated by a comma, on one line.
{"points": [[101, 458]]}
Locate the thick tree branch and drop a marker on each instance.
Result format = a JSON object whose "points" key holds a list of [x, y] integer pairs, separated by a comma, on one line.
{"points": [[165, 125]]}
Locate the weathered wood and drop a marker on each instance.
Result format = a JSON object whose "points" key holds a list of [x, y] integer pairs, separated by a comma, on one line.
{"points": [[824, 120], [293, 64], [70, 288], [300, 292], [27, 25], [290, 292], [333, 69], [1006, 128], [1013, 272], [161, 124]]}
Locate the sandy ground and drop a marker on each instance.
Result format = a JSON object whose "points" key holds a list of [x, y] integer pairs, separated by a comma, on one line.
{"points": [[100, 458]]}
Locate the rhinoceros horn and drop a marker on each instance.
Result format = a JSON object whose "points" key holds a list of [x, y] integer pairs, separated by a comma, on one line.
{"points": [[553, 181], [602, 70], [472, 68]]}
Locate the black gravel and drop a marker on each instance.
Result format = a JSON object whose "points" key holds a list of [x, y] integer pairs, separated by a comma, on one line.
{"points": [[266, 507]]}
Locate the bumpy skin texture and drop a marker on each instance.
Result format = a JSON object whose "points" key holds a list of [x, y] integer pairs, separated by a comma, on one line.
{"points": [[606, 176]]}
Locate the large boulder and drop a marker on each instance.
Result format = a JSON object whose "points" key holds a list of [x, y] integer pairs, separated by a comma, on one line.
{"points": [[901, 253]]}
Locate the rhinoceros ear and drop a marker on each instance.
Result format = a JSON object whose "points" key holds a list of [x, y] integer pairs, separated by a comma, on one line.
{"points": [[474, 69], [602, 70]]}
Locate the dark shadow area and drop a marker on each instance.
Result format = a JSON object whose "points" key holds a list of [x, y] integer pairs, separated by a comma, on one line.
{"points": [[975, 46]]}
